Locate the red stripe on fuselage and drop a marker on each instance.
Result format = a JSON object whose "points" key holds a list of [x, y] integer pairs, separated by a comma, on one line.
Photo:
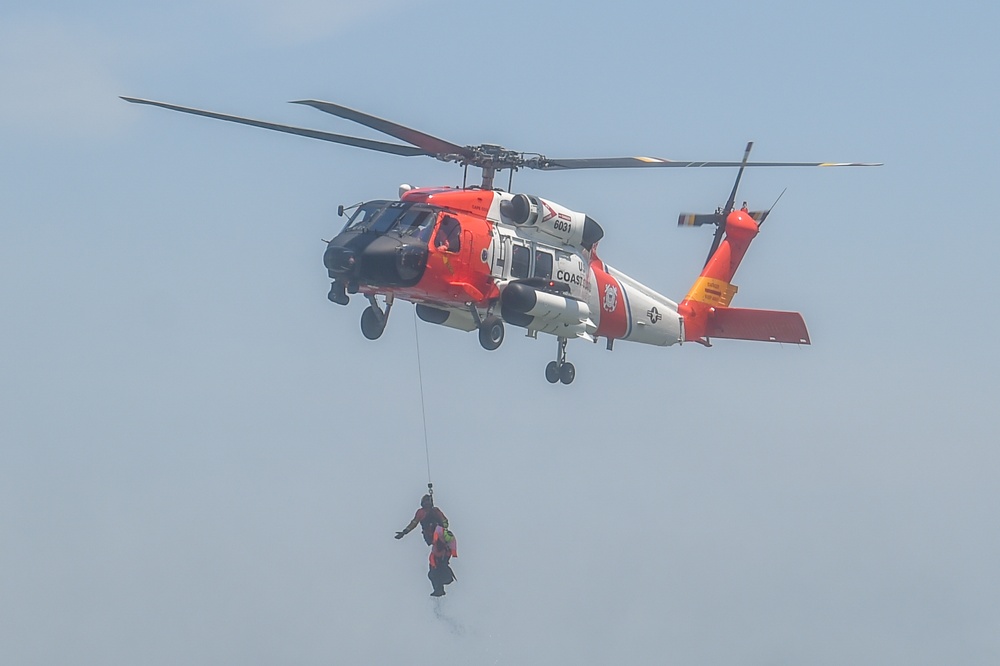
{"points": [[613, 322]]}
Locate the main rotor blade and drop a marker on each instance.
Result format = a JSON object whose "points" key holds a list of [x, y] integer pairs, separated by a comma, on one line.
{"points": [[549, 164], [368, 144], [432, 144]]}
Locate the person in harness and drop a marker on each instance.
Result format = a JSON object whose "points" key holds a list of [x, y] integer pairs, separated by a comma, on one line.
{"points": [[444, 546], [428, 517]]}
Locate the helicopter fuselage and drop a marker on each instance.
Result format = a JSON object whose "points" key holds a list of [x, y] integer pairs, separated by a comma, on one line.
{"points": [[462, 255]]}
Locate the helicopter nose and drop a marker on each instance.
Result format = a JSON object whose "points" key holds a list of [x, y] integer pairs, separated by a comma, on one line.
{"points": [[340, 262], [381, 261]]}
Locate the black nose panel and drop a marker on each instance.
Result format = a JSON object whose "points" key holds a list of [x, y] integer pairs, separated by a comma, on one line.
{"points": [[411, 259], [391, 262], [376, 260]]}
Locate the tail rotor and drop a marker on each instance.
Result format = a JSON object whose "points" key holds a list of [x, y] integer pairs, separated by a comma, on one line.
{"points": [[706, 309], [718, 218]]}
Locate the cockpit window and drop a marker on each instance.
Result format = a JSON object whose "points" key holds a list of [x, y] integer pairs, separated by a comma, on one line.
{"points": [[365, 215], [396, 216], [388, 219], [417, 223]]}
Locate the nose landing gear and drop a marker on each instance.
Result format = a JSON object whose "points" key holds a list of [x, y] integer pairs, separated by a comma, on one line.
{"points": [[560, 370], [373, 319]]}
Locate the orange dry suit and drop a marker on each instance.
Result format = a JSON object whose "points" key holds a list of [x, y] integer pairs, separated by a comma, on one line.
{"points": [[444, 546], [428, 518]]}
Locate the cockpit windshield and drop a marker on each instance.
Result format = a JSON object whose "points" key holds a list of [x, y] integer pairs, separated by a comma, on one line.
{"points": [[417, 223], [365, 215], [398, 217]]}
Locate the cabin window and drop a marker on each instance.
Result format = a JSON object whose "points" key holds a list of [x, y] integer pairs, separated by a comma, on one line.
{"points": [[449, 235], [520, 261], [543, 265]]}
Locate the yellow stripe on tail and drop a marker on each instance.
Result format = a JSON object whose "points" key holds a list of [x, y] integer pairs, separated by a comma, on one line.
{"points": [[712, 291]]}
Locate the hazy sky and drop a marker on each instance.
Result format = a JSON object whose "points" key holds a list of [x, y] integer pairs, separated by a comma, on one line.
{"points": [[202, 460]]}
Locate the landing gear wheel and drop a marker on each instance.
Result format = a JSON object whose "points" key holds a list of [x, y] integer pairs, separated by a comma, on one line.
{"points": [[560, 370], [552, 372], [567, 373], [372, 325], [491, 333]]}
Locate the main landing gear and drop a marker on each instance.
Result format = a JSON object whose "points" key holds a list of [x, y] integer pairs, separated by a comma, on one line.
{"points": [[373, 319], [490, 328], [560, 370], [491, 332]]}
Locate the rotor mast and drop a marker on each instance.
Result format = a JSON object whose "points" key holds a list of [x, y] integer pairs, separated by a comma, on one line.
{"points": [[488, 173], [490, 158]]}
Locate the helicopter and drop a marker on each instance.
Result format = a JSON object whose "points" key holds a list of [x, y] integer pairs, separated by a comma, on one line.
{"points": [[477, 258]]}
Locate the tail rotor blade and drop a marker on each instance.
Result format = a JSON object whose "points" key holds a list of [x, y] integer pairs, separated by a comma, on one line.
{"points": [[719, 232], [697, 219], [720, 217], [739, 175], [763, 216]]}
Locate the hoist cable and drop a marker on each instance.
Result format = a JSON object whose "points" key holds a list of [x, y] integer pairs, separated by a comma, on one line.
{"points": [[423, 409]]}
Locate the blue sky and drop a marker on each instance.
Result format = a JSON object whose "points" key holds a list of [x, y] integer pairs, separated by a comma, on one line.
{"points": [[202, 460]]}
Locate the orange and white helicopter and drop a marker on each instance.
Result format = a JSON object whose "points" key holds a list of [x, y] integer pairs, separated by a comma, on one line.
{"points": [[473, 258]]}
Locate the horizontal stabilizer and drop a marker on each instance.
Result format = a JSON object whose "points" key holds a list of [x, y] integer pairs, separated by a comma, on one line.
{"points": [[762, 325]]}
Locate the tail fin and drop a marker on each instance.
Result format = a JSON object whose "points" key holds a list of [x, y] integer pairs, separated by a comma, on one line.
{"points": [[714, 288], [706, 308]]}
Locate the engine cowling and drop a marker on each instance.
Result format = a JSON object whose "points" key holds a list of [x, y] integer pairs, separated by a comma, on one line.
{"points": [[551, 220]]}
